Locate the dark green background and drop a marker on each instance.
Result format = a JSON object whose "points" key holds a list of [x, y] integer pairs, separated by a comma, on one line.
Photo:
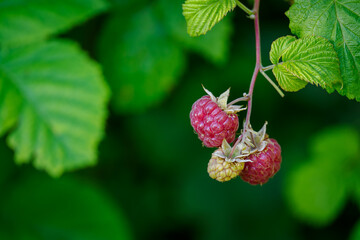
{"points": [[151, 180]]}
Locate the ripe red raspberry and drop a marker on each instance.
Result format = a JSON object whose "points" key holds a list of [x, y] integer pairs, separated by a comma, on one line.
{"points": [[213, 124], [264, 164]]}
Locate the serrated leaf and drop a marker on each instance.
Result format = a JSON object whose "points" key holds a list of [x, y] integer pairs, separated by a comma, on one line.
{"points": [[143, 64], [286, 80], [202, 15], [339, 22], [26, 21], [310, 59], [60, 101], [279, 46], [214, 45], [316, 193], [42, 208]]}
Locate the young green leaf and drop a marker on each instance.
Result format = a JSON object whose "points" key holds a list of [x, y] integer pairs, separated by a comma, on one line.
{"points": [[202, 15], [310, 59], [57, 96], [25, 21], [142, 64], [339, 22], [279, 46], [286, 80]]}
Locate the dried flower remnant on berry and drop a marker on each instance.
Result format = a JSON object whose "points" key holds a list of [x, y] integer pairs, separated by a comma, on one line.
{"points": [[221, 170]]}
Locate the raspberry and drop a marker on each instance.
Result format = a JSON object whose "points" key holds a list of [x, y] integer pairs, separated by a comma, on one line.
{"points": [[264, 164], [212, 123], [221, 170]]}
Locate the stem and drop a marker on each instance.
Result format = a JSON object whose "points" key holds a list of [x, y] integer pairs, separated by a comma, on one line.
{"points": [[245, 98], [244, 8], [258, 61], [256, 71], [267, 68], [272, 83]]}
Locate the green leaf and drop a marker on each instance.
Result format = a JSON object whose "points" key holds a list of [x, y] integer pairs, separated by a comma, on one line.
{"points": [[142, 64], [59, 101], [26, 21], [339, 22], [355, 235], [214, 45], [286, 80], [202, 15], [310, 59], [42, 208], [279, 46], [316, 192]]}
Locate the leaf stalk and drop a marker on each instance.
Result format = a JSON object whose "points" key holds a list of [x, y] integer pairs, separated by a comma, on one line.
{"points": [[272, 83], [267, 68], [245, 9]]}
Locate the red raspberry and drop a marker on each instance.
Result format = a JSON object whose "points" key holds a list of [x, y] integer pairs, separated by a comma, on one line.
{"points": [[264, 164], [211, 123]]}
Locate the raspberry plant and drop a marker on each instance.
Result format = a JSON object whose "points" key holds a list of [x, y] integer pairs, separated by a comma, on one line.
{"points": [[326, 54]]}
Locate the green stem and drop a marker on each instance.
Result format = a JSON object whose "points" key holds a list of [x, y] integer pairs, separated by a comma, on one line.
{"points": [[244, 8], [272, 83], [244, 98], [267, 68]]}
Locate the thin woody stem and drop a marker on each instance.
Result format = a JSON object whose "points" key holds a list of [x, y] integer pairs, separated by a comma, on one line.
{"points": [[258, 61], [255, 74], [244, 98]]}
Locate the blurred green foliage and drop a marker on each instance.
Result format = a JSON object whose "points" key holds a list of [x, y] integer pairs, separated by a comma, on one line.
{"points": [[150, 181], [317, 190]]}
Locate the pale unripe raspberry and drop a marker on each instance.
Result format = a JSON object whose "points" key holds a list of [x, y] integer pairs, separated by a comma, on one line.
{"points": [[221, 170], [263, 165], [213, 124]]}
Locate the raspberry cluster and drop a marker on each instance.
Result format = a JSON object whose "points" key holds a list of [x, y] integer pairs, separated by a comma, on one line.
{"points": [[254, 157]]}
